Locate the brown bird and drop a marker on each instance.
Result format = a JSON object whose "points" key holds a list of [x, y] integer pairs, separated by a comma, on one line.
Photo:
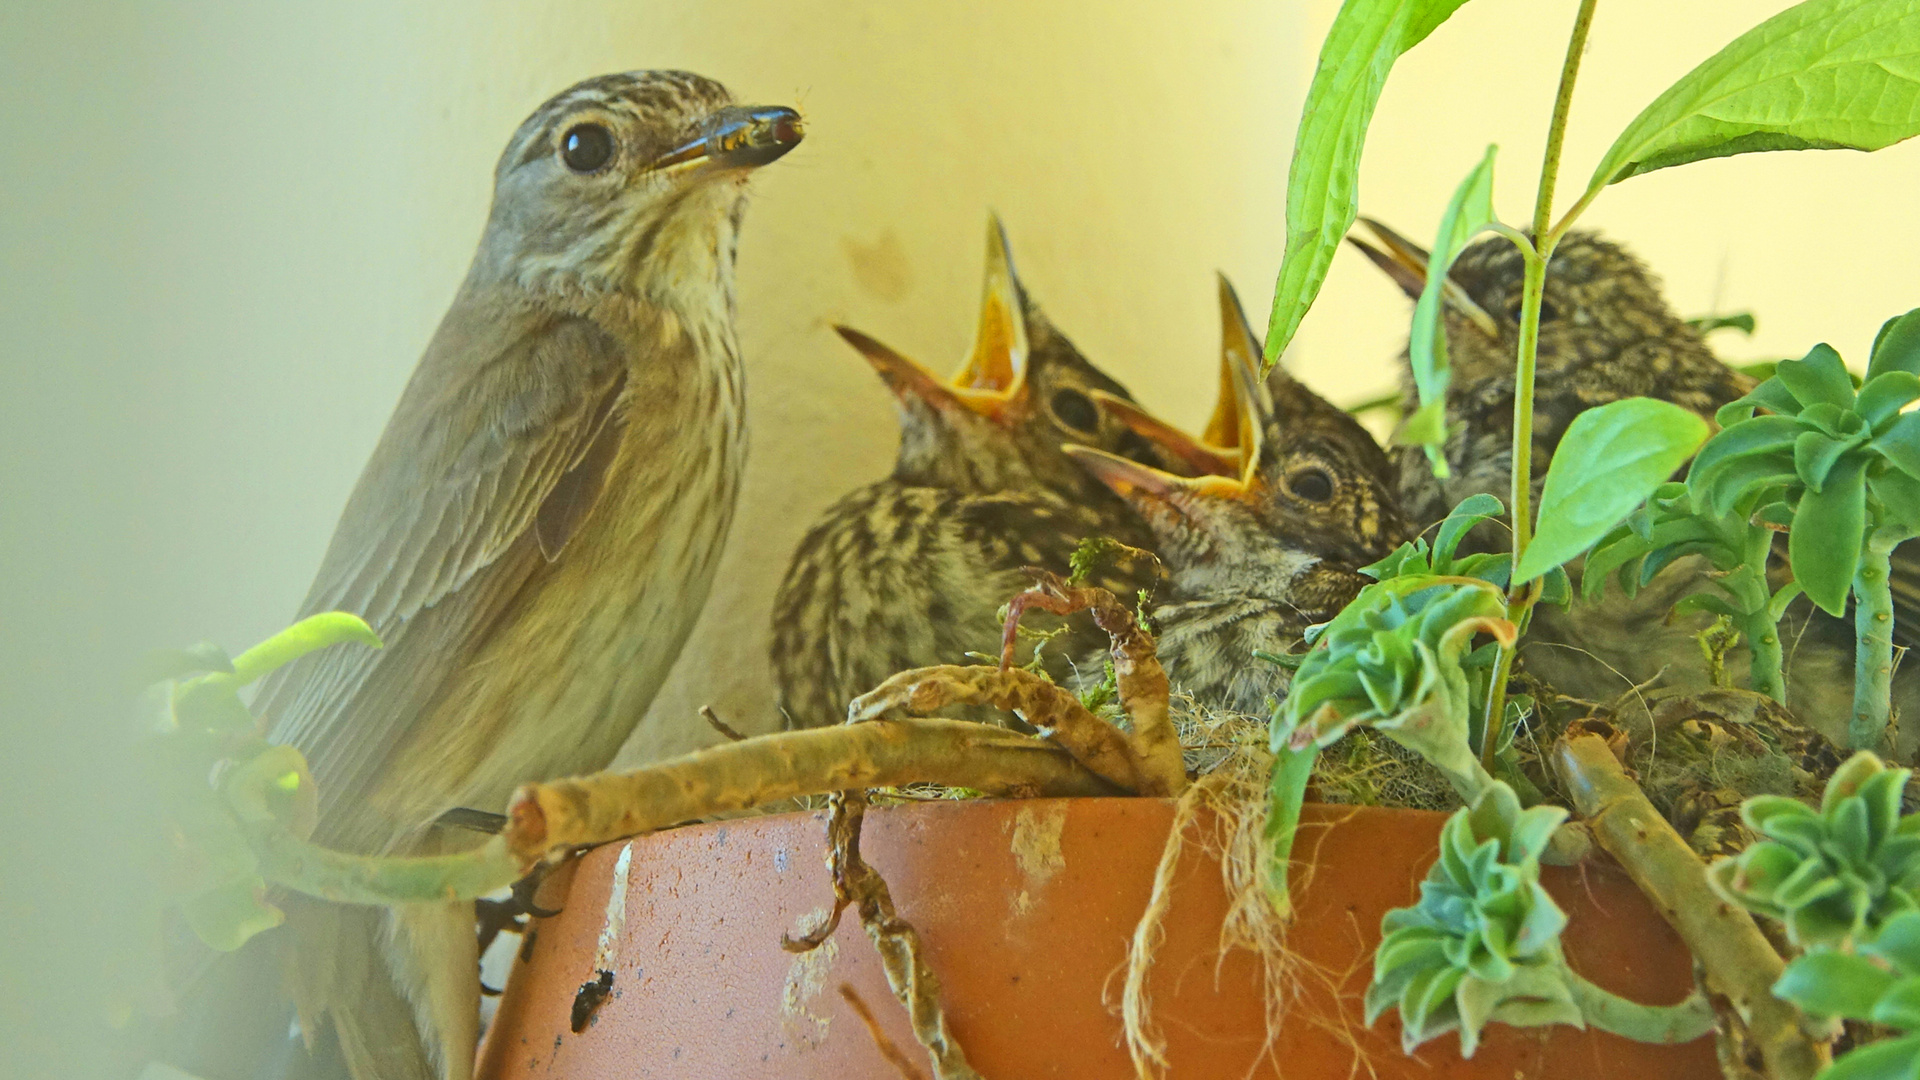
{"points": [[911, 570], [533, 536], [1606, 333], [1257, 558]]}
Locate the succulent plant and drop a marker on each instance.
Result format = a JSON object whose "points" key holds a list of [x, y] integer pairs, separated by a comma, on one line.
{"points": [[1483, 943], [1834, 877], [1670, 527], [1846, 460], [1878, 983]]}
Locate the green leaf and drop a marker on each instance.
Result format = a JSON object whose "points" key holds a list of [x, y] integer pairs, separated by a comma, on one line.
{"points": [[1472, 510], [1833, 984], [1820, 379], [1467, 213], [1897, 346], [1367, 36], [227, 916], [1739, 320], [1901, 444], [1825, 74], [1885, 394], [303, 637], [1813, 457], [1828, 530], [1894, 1059], [1609, 461]]}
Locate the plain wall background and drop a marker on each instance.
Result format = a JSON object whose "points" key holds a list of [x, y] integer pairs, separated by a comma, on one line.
{"points": [[227, 229]]}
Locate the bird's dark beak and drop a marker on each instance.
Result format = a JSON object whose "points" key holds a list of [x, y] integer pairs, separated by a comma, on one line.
{"points": [[740, 137], [1406, 263]]}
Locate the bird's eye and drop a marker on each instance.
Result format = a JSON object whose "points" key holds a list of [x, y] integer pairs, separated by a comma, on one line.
{"points": [[1313, 485], [586, 148], [1075, 410], [1548, 312]]}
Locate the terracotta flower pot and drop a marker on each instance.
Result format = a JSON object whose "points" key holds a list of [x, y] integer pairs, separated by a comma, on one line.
{"points": [[1026, 908]]}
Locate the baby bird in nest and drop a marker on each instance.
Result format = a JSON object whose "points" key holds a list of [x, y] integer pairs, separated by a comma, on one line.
{"points": [[1257, 556], [1606, 333], [911, 570]]}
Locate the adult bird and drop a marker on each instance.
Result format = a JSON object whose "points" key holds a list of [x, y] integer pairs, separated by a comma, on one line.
{"points": [[1257, 557], [533, 536], [1606, 333], [911, 570]]}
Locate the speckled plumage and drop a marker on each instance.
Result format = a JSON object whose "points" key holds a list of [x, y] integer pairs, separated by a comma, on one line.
{"points": [[1254, 560], [1606, 333], [911, 570], [532, 538]]}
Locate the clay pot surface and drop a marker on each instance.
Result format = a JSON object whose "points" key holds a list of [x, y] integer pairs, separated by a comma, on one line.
{"points": [[1025, 908]]}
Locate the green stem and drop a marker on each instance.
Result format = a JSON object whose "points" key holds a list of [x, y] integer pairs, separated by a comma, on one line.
{"points": [[1520, 508], [1873, 648], [1665, 1024], [365, 879], [1291, 771], [1757, 622]]}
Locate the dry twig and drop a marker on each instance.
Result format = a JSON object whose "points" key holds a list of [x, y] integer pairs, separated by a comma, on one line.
{"points": [[563, 814], [899, 1060], [1740, 965]]}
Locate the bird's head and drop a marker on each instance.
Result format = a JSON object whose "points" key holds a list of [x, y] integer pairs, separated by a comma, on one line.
{"points": [[1306, 488], [629, 182], [1023, 391], [1598, 301]]}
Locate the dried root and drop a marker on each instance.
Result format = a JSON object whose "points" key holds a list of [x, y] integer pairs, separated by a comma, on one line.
{"points": [[1136, 667], [1057, 714], [913, 981], [551, 818]]}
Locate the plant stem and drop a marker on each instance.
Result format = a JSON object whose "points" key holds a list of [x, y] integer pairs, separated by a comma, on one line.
{"points": [[1738, 962], [1520, 507], [1669, 1024], [366, 879], [1757, 623], [1873, 647]]}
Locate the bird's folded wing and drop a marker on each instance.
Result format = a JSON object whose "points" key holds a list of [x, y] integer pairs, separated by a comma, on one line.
{"points": [[489, 462]]}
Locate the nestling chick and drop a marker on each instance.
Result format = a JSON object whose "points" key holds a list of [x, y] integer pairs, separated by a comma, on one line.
{"points": [[910, 571], [533, 538], [1258, 557], [1606, 333]]}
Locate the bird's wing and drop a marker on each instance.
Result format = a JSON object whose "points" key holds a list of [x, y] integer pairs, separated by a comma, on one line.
{"points": [[491, 460]]}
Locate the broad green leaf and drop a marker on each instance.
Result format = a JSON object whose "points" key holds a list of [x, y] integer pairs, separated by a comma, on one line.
{"points": [[1609, 461], [1821, 75], [1834, 984], [1367, 36], [303, 637], [1820, 379], [1824, 546], [1885, 394], [1897, 346]]}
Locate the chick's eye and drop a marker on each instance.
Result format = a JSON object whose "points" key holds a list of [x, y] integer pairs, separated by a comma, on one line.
{"points": [[1548, 312], [586, 148], [1313, 485], [1075, 410]]}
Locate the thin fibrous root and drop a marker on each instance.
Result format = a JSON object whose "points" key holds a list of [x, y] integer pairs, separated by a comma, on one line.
{"points": [[900, 1062], [1058, 715], [1141, 681], [860, 886], [551, 818], [1740, 965]]}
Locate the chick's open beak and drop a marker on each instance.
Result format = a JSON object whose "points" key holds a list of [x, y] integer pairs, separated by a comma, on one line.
{"points": [[908, 379], [1406, 263], [740, 137], [1198, 455]]}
